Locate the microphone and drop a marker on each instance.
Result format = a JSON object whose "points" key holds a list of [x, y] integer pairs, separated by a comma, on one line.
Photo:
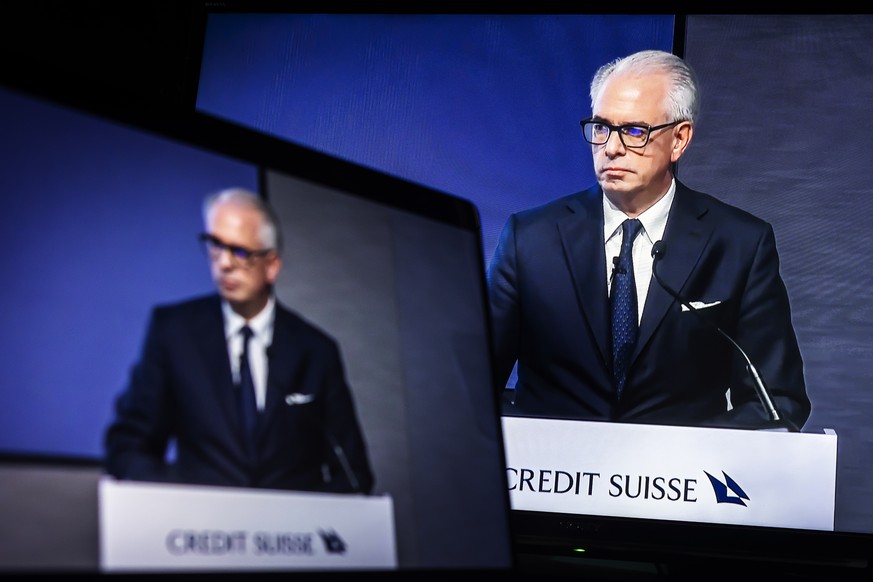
{"points": [[340, 455], [658, 252], [615, 270]]}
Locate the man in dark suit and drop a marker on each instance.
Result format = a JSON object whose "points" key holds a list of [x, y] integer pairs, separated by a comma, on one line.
{"points": [[555, 275], [199, 372]]}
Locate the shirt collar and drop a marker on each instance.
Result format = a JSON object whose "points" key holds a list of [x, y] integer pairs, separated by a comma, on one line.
{"points": [[261, 324], [654, 218]]}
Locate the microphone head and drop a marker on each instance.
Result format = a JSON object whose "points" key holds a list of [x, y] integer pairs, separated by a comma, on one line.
{"points": [[658, 250]]}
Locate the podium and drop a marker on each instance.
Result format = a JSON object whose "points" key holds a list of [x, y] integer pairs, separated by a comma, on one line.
{"points": [[708, 475], [170, 528]]}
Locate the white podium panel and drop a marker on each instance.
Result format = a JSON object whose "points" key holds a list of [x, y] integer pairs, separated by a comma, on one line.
{"points": [[157, 527], [762, 478]]}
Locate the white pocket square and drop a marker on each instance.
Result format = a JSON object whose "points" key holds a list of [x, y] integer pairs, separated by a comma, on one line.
{"points": [[298, 398], [699, 305]]}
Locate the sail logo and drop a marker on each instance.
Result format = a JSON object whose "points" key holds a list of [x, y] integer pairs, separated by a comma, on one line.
{"points": [[728, 490]]}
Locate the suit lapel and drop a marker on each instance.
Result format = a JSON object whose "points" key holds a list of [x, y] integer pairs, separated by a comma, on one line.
{"points": [[284, 361], [581, 232], [209, 334], [685, 237]]}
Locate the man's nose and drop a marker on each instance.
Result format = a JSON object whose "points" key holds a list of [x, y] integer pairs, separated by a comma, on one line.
{"points": [[613, 144], [225, 259]]}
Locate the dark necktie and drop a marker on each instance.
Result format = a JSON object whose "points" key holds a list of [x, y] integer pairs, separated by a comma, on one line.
{"points": [[623, 300], [248, 403]]}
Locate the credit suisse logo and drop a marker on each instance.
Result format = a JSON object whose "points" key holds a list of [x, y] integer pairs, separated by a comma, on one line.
{"points": [[219, 542], [683, 489], [727, 491]]}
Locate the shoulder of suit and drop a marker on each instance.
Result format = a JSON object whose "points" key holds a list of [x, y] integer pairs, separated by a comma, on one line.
{"points": [[203, 304], [583, 200], [725, 211], [299, 325]]}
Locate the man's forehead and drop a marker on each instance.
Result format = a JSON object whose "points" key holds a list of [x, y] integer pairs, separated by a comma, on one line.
{"points": [[630, 98]]}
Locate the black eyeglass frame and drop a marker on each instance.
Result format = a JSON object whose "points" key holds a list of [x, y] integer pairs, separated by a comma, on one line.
{"points": [[237, 252], [620, 130]]}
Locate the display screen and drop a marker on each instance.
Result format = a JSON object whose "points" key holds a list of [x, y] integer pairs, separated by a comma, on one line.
{"points": [[487, 106], [103, 216]]}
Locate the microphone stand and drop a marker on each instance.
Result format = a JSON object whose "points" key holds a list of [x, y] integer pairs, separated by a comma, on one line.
{"points": [[761, 389], [346, 467]]}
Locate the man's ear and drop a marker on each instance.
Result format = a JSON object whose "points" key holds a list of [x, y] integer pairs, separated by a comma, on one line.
{"points": [[274, 265], [682, 134]]}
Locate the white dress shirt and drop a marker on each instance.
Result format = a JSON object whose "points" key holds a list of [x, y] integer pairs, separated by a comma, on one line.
{"points": [[262, 336], [654, 221]]}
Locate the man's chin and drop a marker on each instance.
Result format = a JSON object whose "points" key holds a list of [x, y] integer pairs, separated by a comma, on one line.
{"points": [[248, 307], [234, 299], [615, 185]]}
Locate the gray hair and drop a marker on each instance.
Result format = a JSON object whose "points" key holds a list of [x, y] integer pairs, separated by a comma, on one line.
{"points": [[271, 231], [683, 96]]}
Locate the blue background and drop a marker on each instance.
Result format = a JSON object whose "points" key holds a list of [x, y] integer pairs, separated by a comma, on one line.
{"points": [[99, 223], [485, 107]]}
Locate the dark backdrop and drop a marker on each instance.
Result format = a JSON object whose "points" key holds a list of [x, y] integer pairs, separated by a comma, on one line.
{"points": [[785, 134]]}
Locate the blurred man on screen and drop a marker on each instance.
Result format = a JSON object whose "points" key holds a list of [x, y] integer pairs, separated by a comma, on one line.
{"points": [[556, 267], [189, 385]]}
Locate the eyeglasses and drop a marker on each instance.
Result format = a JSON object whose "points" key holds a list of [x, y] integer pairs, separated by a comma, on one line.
{"points": [[239, 255], [631, 135]]}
